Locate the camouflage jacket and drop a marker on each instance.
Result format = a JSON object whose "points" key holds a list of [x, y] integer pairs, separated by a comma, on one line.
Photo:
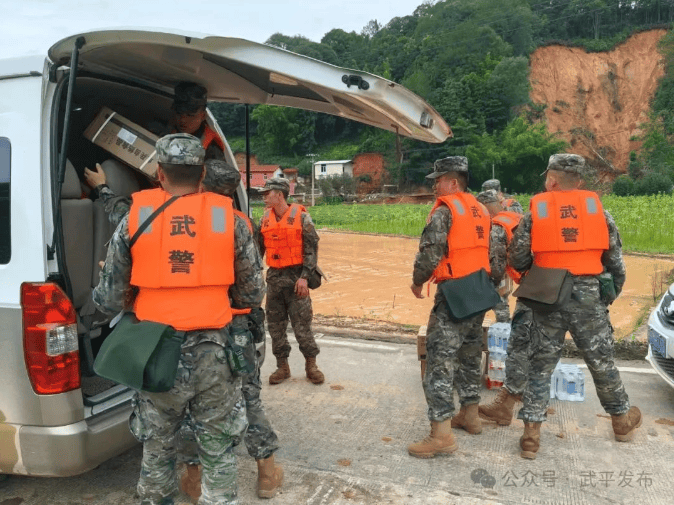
{"points": [[433, 247], [115, 206], [515, 206], [521, 258], [113, 292], [285, 277]]}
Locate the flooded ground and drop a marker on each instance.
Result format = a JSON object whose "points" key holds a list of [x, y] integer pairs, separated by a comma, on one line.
{"points": [[370, 277]]}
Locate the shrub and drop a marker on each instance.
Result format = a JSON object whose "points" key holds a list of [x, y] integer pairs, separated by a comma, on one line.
{"points": [[652, 184], [623, 186]]}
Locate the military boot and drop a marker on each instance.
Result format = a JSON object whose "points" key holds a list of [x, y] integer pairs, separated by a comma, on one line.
{"points": [[190, 482], [531, 440], [468, 419], [500, 409], [440, 441], [282, 371], [269, 477], [313, 373], [626, 424]]}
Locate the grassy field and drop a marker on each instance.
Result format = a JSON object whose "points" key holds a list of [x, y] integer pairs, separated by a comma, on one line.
{"points": [[646, 223]]}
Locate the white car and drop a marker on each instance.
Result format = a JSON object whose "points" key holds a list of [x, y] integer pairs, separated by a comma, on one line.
{"points": [[661, 337], [56, 417]]}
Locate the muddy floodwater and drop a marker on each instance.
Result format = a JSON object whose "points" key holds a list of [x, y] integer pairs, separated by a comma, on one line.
{"points": [[370, 277]]}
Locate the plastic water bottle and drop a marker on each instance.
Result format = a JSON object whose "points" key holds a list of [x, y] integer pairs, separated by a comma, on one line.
{"points": [[575, 384], [496, 373]]}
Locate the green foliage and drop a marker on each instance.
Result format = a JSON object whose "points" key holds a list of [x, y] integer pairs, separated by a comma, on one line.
{"points": [[519, 154], [652, 184], [336, 188], [623, 186]]}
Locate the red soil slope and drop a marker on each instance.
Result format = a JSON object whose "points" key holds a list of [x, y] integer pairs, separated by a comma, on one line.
{"points": [[597, 101]]}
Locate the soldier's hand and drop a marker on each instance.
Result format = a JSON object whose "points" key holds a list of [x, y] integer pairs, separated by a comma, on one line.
{"points": [[96, 178], [417, 290], [301, 288]]}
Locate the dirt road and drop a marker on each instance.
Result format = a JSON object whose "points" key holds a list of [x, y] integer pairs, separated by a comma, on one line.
{"points": [[370, 277]]}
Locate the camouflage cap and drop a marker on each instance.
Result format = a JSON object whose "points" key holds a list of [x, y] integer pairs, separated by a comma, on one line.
{"points": [[221, 177], [489, 196], [494, 184], [449, 164], [571, 163], [276, 183], [180, 149], [189, 97]]}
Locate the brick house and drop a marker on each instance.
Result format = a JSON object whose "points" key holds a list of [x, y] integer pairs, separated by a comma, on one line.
{"points": [[259, 173], [372, 165]]}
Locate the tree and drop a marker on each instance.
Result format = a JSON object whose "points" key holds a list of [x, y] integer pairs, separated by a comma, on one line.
{"points": [[285, 131]]}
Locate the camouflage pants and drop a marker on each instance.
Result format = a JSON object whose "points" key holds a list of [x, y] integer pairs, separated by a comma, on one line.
{"points": [[283, 304], [206, 387], [586, 318], [453, 355], [517, 361], [260, 438]]}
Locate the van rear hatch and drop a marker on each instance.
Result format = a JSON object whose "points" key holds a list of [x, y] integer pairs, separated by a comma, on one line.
{"points": [[239, 71]]}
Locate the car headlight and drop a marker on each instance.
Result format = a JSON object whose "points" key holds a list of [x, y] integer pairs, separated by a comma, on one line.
{"points": [[667, 307]]}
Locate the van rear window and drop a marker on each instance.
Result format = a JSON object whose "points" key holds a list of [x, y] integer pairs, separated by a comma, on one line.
{"points": [[5, 235]]}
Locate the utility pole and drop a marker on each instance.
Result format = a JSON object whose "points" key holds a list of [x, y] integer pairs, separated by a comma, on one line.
{"points": [[313, 176]]}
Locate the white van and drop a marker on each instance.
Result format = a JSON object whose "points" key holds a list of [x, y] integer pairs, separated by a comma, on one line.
{"points": [[56, 417]]}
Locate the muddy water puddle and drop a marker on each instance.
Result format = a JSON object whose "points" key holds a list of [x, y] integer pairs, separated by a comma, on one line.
{"points": [[370, 277]]}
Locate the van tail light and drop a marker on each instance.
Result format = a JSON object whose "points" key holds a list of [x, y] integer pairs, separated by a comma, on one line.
{"points": [[50, 338]]}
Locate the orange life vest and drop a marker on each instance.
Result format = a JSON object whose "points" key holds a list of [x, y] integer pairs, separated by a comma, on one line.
{"points": [[507, 203], [245, 218], [283, 238], [209, 136], [468, 237], [509, 220], [569, 231], [183, 263]]}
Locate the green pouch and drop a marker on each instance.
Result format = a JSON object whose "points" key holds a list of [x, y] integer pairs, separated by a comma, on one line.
{"points": [[240, 351], [607, 291], [470, 295], [142, 355]]}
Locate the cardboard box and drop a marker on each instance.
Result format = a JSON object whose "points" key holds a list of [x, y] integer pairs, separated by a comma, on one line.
{"points": [[125, 140]]}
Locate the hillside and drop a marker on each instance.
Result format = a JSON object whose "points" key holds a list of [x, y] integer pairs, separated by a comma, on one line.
{"points": [[597, 101]]}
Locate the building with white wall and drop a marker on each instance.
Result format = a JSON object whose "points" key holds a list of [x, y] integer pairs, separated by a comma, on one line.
{"points": [[335, 167]]}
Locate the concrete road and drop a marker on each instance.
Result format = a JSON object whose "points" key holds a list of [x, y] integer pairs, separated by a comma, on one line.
{"points": [[345, 443]]}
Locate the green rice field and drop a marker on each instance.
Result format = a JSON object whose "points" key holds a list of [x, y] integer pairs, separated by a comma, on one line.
{"points": [[646, 223]]}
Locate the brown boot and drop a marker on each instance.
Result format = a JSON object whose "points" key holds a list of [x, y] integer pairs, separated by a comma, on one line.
{"points": [[282, 371], [440, 441], [626, 424], [500, 409], [468, 419], [190, 482], [313, 373], [269, 477], [531, 440]]}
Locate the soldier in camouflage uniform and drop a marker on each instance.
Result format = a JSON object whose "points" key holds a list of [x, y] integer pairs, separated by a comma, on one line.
{"points": [[260, 438], [453, 348], [585, 315], [502, 310], [288, 291], [500, 410], [204, 383], [507, 202]]}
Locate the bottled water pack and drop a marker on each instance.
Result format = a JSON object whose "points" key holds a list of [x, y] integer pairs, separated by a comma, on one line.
{"points": [[568, 383], [497, 342]]}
